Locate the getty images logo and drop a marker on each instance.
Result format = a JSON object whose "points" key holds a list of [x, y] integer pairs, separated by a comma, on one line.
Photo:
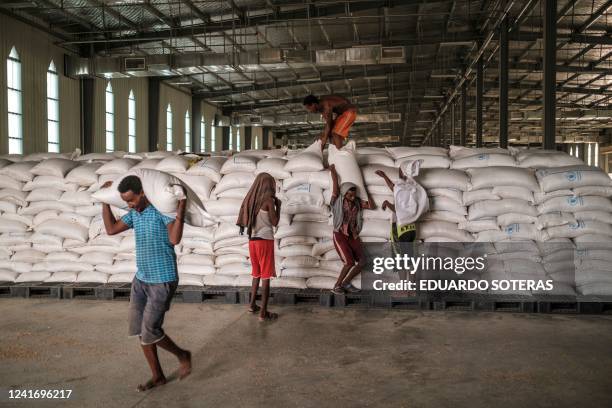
{"points": [[423, 263]]}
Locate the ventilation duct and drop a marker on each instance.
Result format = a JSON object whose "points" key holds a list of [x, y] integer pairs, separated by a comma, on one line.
{"points": [[75, 67], [195, 63], [307, 119]]}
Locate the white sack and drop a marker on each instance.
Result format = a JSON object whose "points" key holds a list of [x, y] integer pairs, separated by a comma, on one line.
{"points": [[54, 167], [310, 159], [558, 178], [347, 168]]}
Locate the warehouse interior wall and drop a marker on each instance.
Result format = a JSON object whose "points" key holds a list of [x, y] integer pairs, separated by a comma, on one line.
{"points": [[121, 91], [208, 113], [180, 103], [36, 50]]}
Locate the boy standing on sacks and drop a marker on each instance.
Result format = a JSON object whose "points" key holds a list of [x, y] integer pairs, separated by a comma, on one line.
{"points": [[348, 220], [157, 277], [259, 213]]}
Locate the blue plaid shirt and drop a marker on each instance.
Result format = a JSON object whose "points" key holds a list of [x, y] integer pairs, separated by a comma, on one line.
{"points": [[155, 256]]}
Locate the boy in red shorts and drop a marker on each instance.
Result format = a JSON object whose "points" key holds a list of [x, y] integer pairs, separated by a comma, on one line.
{"points": [[259, 213]]}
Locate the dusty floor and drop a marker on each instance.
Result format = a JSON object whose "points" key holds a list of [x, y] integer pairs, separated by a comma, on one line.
{"points": [[310, 357]]}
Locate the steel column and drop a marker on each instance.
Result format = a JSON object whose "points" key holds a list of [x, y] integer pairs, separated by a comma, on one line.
{"points": [[549, 73], [463, 133], [503, 83], [479, 100], [153, 101]]}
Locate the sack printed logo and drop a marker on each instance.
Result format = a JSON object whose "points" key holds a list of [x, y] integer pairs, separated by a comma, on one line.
{"points": [[483, 156], [512, 229], [574, 201], [577, 225], [573, 175]]}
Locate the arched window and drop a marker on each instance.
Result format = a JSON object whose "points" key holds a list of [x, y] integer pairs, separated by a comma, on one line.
{"points": [[187, 132], [169, 128], [571, 150], [256, 142], [238, 139], [15, 108], [53, 142], [576, 152], [596, 154], [231, 139], [132, 122], [110, 119], [202, 135], [213, 138], [589, 154]]}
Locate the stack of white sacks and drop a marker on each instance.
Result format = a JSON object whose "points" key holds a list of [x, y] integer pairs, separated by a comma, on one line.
{"points": [[541, 213]]}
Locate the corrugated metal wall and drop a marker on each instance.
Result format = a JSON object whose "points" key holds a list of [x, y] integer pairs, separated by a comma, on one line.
{"points": [[36, 50]]}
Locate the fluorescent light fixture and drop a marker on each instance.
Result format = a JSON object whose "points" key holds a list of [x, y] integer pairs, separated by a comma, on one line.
{"points": [[181, 83], [269, 100], [308, 79], [219, 101], [377, 98], [243, 82]]}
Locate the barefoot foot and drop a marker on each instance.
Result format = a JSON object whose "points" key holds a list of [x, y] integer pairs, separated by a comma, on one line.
{"points": [[185, 368], [152, 383]]}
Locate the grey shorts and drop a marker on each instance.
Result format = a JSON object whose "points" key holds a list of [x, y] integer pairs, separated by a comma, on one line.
{"points": [[149, 303]]}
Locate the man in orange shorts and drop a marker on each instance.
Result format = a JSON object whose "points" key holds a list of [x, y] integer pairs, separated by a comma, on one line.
{"points": [[337, 127]]}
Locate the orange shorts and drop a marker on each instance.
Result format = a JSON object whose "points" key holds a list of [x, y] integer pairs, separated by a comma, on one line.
{"points": [[344, 122], [261, 252]]}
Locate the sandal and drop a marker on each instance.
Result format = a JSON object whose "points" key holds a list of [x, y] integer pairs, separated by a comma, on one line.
{"points": [[268, 317]]}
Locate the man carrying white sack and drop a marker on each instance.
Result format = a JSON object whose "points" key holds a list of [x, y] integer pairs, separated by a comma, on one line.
{"points": [[348, 220], [157, 277], [410, 203]]}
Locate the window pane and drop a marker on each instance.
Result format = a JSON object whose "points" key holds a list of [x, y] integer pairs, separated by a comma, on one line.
{"points": [[132, 109], [53, 132], [14, 126], [53, 147], [110, 141], [110, 126], [132, 144], [13, 74], [109, 102], [14, 101], [15, 146], [52, 110], [52, 86]]}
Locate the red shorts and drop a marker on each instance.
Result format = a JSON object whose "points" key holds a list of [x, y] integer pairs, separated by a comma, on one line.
{"points": [[343, 123], [261, 252], [349, 248]]}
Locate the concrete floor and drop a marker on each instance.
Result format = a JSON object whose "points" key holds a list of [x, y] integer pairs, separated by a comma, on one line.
{"points": [[310, 357]]}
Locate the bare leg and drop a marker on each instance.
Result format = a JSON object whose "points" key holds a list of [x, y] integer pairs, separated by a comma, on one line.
{"points": [[337, 140], [184, 356], [253, 308], [265, 294], [342, 275], [158, 378]]}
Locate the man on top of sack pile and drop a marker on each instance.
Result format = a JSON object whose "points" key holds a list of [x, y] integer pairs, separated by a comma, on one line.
{"points": [[338, 127]]}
